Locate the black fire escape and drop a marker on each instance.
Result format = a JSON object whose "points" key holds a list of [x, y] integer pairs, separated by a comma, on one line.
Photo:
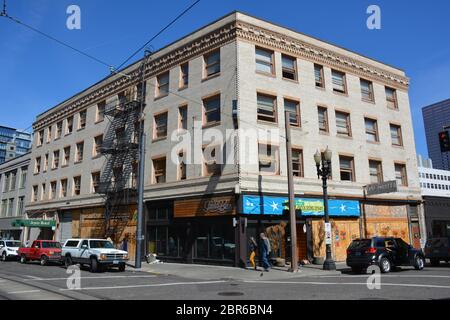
{"points": [[118, 181]]}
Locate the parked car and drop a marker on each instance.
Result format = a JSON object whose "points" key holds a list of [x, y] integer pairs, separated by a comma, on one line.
{"points": [[437, 250], [98, 254], [45, 251], [385, 252], [8, 249]]}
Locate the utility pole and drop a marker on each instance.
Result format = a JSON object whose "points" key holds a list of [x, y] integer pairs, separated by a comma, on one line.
{"points": [[292, 216], [142, 141]]}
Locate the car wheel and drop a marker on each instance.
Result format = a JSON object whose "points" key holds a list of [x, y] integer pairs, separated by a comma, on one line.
{"points": [[23, 259], [434, 262], [419, 263], [68, 261], [4, 257], [385, 265], [44, 260], [94, 265], [122, 267]]}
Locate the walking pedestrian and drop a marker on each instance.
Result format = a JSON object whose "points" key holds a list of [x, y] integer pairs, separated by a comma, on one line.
{"points": [[265, 251], [253, 247]]}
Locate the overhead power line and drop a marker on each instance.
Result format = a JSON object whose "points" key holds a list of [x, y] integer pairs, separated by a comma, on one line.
{"points": [[158, 34]]}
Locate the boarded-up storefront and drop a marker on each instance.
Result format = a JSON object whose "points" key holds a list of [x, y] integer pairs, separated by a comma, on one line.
{"points": [[387, 221]]}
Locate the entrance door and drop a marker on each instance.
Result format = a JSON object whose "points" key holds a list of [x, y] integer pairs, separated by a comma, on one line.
{"points": [[65, 226], [415, 231], [302, 251]]}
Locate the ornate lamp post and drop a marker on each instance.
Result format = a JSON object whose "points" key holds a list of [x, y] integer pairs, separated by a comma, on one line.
{"points": [[323, 164]]}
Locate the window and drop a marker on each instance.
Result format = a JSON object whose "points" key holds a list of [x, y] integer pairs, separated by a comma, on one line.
{"points": [[162, 84], [66, 156], [294, 112], [46, 163], [23, 179], [160, 131], [55, 164], [37, 165], [43, 189], [82, 120], [367, 90], [212, 64], [396, 135], [69, 127], [376, 172], [159, 170], [371, 130], [35, 194], [76, 186], [5, 207], [59, 127], [52, 190], [211, 109], [267, 108], [184, 75], [400, 175], [100, 116], [182, 117], [13, 180], [319, 76], [264, 61], [211, 157], [391, 98], [49, 134], [297, 163], [20, 206], [95, 182], [339, 84], [10, 207], [63, 188], [323, 119], [268, 159], [346, 168], [289, 67], [98, 141], [181, 166], [7, 182], [40, 141], [343, 126], [80, 152]]}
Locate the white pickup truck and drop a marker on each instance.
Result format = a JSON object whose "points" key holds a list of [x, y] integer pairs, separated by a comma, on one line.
{"points": [[97, 253]]}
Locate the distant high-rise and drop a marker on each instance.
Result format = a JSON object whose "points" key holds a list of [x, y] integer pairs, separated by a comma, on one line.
{"points": [[13, 143], [436, 117]]}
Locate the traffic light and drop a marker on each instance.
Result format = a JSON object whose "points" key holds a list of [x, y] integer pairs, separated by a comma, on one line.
{"points": [[444, 140]]}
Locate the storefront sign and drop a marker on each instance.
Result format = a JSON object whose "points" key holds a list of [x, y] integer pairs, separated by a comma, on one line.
{"points": [[267, 205], [380, 188], [217, 206], [35, 223]]}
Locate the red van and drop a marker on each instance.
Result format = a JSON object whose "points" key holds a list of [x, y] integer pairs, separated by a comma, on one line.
{"points": [[44, 251]]}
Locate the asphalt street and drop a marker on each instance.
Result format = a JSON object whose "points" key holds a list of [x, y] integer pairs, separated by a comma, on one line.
{"points": [[32, 281]]}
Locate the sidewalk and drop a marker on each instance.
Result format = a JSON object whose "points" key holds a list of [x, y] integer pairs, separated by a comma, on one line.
{"points": [[207, 272]]}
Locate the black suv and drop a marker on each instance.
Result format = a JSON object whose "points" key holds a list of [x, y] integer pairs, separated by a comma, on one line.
{"points": [[437, 250], [385, 252]]}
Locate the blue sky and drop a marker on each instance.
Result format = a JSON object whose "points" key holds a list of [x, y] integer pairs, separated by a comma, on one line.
{"points": [[36, 73]]}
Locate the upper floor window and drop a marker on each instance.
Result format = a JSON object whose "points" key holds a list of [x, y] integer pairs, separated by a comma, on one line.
{"points": [[55, 159], [77, 186], [264, 61], [371, 130], [49, 134], [294, 111], [211, 163], [35, 194], [269, 159], [80, 152], [400, 174], [181, 166], [40, 138], [46, 163], [160, 122], [376, 172], [59, 127], [391, 98], [63, 189], [297, 163], [212, 63], [343, 125], [100, 115], [66, 159], [184, 75], [182, 117], [69, 127], [289, 67], [159, 170], [367, 90], [396, 135], [82, 120], [319, 76], [347, 168], [267, 107], [37, 165], [52, 190], [98, 141], [23, 179], [95, 182], [211, 110], [323, 119], [339, 82], [162, 84]]}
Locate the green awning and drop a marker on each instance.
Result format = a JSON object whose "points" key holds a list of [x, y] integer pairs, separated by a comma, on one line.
{"points": [[34, 223]]}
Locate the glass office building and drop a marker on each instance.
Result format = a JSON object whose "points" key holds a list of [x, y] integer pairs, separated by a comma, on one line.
{"points": [[13, 143]]}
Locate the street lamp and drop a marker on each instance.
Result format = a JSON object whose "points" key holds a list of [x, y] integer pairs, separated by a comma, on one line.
{"points": [[323, 163]]}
